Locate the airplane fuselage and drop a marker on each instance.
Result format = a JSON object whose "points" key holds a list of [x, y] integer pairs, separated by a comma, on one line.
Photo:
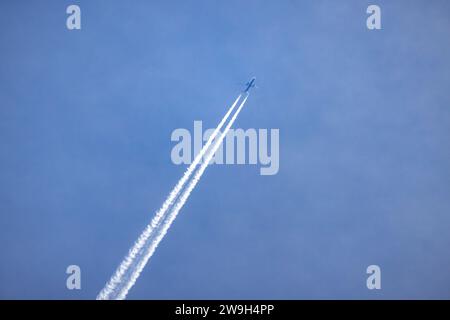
{"points": [[250, 85]]}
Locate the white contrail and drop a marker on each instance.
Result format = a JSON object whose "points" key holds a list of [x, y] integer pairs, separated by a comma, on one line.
{"points": [[117, 278], [160, 232]]}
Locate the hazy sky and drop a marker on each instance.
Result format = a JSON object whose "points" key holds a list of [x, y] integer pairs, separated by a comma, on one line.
{"points": [[85, 124]]}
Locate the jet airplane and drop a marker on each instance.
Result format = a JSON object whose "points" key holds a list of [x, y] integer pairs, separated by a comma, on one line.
{"points": [[250, 85]]}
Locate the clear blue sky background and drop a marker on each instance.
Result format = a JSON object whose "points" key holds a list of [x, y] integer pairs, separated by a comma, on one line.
{"points": [[85, 124]]}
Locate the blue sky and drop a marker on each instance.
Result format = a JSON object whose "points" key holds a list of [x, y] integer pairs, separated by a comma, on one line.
{"points": [[85, 124]]}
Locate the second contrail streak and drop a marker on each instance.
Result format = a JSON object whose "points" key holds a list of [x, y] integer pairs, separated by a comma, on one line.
{"points": [[108, 292], [161, 231]]}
